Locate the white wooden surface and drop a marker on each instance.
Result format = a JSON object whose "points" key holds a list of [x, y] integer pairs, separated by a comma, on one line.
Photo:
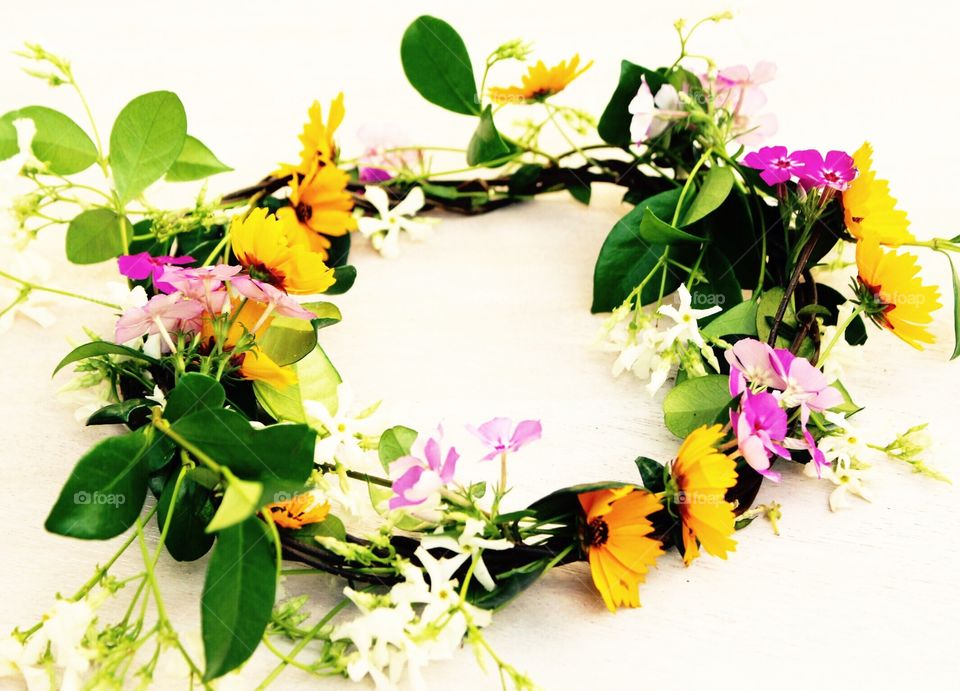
{"points": [[491, 317]]}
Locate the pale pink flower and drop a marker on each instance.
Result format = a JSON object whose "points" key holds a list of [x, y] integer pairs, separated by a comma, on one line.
{"points": [[500, 436], [164, 315]]}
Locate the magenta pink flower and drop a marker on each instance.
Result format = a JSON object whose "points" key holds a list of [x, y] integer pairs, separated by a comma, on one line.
{"points": [[140, 266], [500, 436], [278, 301], [755, 362], [775, 164], [835, 171], [809, 444], [760, 426], [416, 480], [805, 386], [373, 175], [164, 315]]}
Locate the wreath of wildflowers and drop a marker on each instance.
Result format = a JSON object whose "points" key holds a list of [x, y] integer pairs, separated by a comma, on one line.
{"points": [[253, 450]]}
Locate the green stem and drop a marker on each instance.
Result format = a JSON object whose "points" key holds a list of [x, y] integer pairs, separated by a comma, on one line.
{"points": [[167, 430], [687, 184], [840, 331]]}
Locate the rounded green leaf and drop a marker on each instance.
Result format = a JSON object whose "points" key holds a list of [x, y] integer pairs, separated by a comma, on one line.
{"points": [[192, 393], [95, 236], [105, 492], [147, 137], [317, 380], [437, 65], [187, 539], [487, 146], [695, 402], [614, 125], [657, 231], [716, 186], [195, 162], [9, 142], [59, 141], [238, 596], [240, 501], [739, 319]]}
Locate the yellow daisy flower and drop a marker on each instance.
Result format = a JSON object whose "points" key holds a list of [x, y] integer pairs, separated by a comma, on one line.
{"points": [[702, 476], [893, 293], [540, 82], [320, 206], [869, 211], [317, 138], [615, 535], [297, 512], [262, 247]]}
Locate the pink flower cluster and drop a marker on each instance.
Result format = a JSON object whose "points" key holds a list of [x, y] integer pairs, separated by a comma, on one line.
{"points": [[188, 293], [808, 167], [417, 481], [737, 90], [770, 382]]}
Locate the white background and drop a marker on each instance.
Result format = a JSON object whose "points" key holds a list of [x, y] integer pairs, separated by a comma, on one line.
{"points": [[491, 317]]}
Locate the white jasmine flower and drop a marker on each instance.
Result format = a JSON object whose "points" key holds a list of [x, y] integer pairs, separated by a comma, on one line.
{"points": [[472, 543], [848, 481], [845, 446], [345, 428], [384, 232], [685, 319], [640, 346]]}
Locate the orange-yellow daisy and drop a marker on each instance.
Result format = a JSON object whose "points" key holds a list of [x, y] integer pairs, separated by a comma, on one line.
{"points": [[869, 211], [893, 294], [615, 534], [320, 206], [297, 512], [540, 82], [256, 365], [702, 475], [317, 138], [263, 248]]}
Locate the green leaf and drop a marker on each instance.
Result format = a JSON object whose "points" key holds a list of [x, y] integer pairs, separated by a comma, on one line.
{"points": [[327, 314], [848, 407], [717, 183], [187, 539], [317, 380], [956, 307], [395, 443], [331, 526], [98, 348], [9, 140], [508, 586], [581, 192], [486, 146], [626, 258], [740, 319], [695, 402], [194, 392], [656, 231], [238, 596], [289, 340], [651, 473], [240, 501], [614, 125], [94, 236], [105, 492], [437, 65], [59, 141], [147, 137], [344, 277], [195, 162], [767, 311], [120, 413]]}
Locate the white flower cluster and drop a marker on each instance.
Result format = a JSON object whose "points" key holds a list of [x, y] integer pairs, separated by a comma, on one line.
{"points": [[652, 352]]}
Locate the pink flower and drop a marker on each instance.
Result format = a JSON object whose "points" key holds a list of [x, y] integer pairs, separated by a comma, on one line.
{"points": [[278, 301], [759, 426], [202, 283], [139, 266], [809, 444], [775, 164], [164, 315], [738, 89], [755, 362], [372, 175], [416, 480], [805, 386], [500, 436], [835, 171]]}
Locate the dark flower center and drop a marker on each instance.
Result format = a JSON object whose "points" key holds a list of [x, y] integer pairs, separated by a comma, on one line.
{"points": [[263, 273], [597, 532], [304, 212]]}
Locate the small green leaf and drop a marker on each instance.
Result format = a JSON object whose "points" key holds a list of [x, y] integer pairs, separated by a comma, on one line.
{"points": [[848, 407], [487, 146], [187, 539], [581, 192], [956, 306], [695, 402], [614, 125], [317, 380], [437, 65], [94, 236], [717, 183], [9, 140], [105, 492], [59, 141], [194, 392], [147, 137], [240, 501], [344, 277], [98, 348], [289, 340], [121, 412], [651, 473], [395, 443], [195, 162], [656, 231], [740, 319], [327, 314], [238, 596], [329, 527]]}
